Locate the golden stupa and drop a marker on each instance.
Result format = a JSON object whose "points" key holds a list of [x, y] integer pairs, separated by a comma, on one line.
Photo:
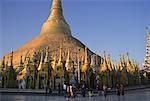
{"points": [[55, 33]]}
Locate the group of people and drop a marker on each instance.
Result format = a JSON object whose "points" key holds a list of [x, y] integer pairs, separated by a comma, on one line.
{"points": [[70, 90], [119, 90]]}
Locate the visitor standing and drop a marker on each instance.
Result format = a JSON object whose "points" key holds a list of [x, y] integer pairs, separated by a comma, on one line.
{"points": [[59, 89], [68, 91], [121, 89], [65, 89], [46, 89], [83, 90], [118, 89], [71, 91], [105, 90]]}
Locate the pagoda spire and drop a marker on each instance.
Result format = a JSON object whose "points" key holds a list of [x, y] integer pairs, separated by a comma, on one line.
{"points": [[113, 65], [85, 65], [147, 57], [21, 63], [11, 59], [86, 56], [3, 62], [56, 23], [54, 61], [122, 62], [68, 61], [128, 63], [60, 57], [56, 10], [46, 60], [41, 61], [109, 63], [104, 65]]}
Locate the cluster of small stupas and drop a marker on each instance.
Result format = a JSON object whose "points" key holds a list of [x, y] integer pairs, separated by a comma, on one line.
{"points": [[126, 71], [37, 73]]}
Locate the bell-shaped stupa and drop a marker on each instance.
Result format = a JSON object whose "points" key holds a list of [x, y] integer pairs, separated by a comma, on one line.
{"points": [[55, 33]]}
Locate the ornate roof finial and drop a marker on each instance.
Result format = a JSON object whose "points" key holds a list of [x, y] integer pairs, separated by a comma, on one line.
{"points": [[54, 61], [104, 65], [68, 61], [3, 61], [109, 63], [56, 9], [60, 57], [2, 64], [41, 61], [21, 60], [85, 66], [86, 56], [46, 60], [11, 58]]}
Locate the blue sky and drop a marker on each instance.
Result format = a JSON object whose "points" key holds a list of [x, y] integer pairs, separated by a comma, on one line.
{"points": [[114, 26]]}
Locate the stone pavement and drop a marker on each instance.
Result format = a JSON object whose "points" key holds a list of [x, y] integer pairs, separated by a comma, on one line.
{"points": [[132, 95]]}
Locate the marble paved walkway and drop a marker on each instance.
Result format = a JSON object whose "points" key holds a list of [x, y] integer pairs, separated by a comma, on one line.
{"points": [[135, 95]]}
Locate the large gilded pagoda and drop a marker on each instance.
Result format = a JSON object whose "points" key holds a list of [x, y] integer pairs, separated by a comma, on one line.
{"points": [[50, 56]]}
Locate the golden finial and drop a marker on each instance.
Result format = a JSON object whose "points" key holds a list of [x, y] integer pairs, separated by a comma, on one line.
{"points": [[11, 58], [60, 57], [68, 62], [21, 62], [46, 60], [109, 63], [41, 61], [85, 65], [3, 61], [104, 65]]}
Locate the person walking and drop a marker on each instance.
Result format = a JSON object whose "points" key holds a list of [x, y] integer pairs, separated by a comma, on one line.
{"points": [[68, 91], [83, 90], [118, 89], [46, 89], [71, 91], [65, 89], [105, 90], [59, 89], [121, 89]]}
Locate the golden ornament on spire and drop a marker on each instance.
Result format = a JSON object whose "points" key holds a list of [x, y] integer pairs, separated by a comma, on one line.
{"points": [[60, 58], [41, 61], [47, 57], [54, 61], [122, 62], [86, 64], [109, 63], [103, 65], [68, 64]]}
